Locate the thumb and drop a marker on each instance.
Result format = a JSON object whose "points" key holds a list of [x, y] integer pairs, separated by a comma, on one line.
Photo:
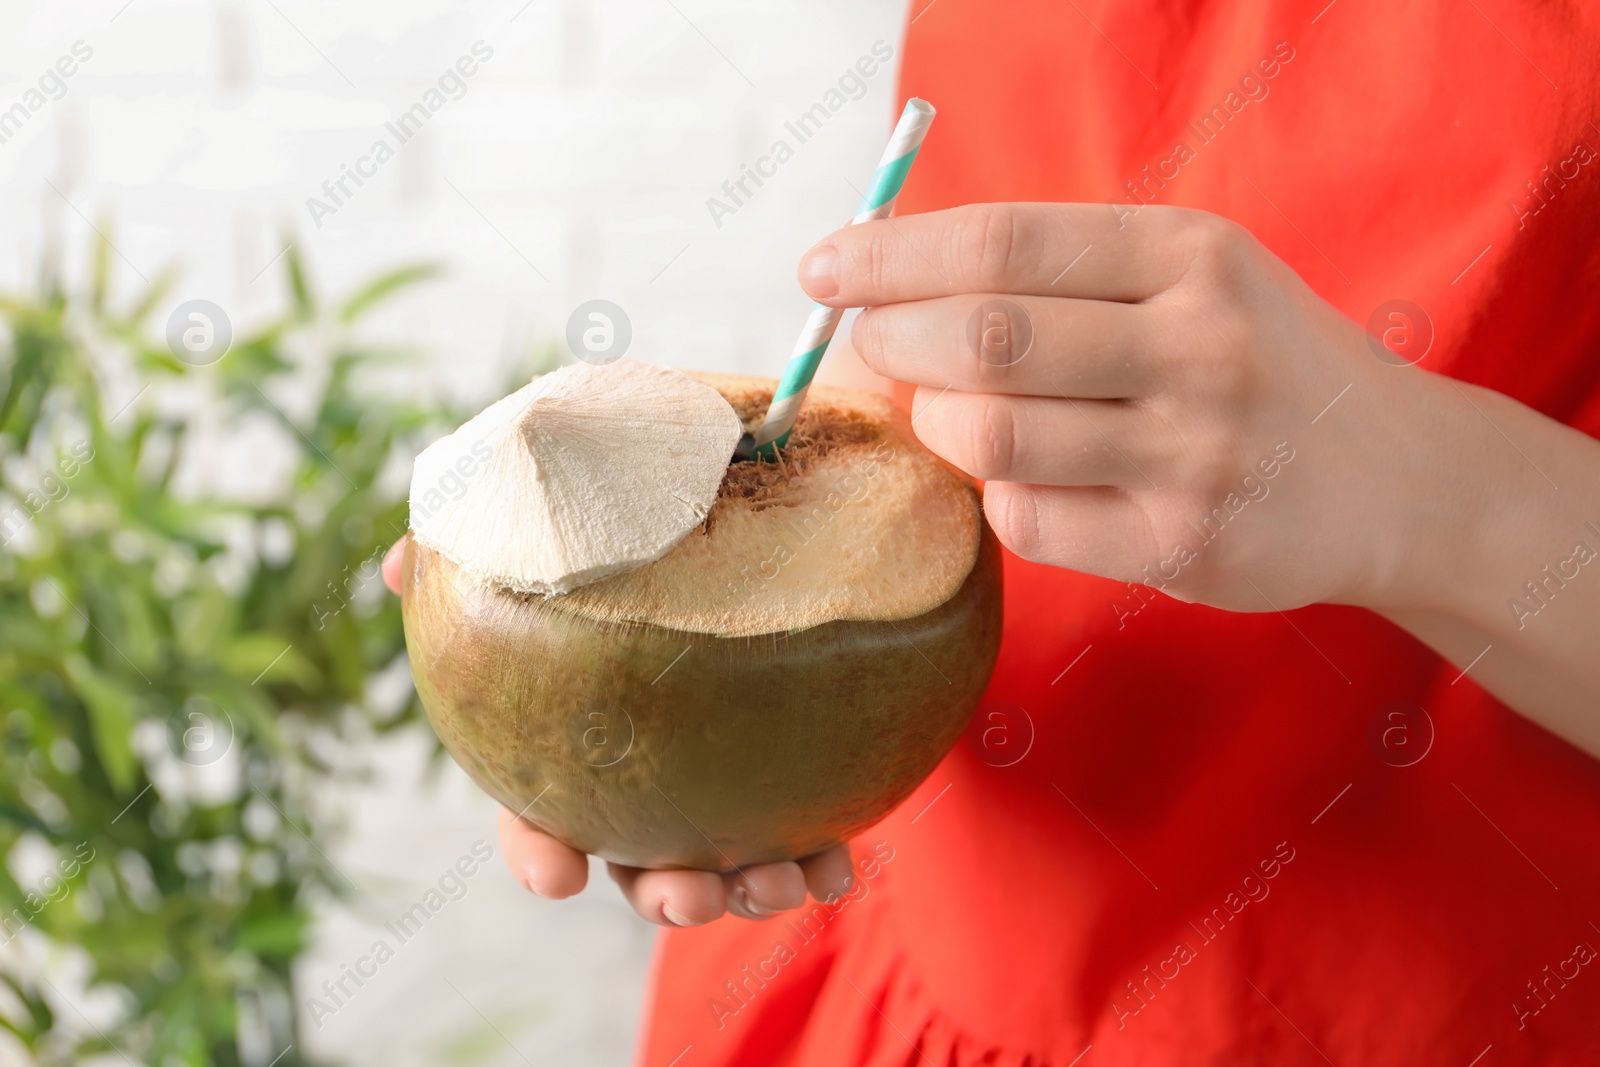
{"points": [[391, 565]]}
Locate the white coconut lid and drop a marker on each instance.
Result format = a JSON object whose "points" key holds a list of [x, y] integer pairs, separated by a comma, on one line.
{"points": [[858, 521], [586, 472]]}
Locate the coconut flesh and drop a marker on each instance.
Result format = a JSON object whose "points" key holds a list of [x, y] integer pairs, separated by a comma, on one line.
{"points": [[669, 660]]}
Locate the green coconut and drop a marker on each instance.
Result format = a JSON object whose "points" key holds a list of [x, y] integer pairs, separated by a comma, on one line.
{"points": [[763, 662]]}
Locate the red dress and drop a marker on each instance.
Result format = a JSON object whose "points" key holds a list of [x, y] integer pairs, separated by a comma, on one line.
{"points": [[1177, 835]]}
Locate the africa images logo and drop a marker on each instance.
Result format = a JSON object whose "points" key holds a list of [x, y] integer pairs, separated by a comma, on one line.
{"points": [[850, 86], [47, 88], [451, 85]]}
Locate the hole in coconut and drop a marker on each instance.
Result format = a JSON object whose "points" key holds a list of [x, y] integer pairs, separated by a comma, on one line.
{"points": [[819, 429]]}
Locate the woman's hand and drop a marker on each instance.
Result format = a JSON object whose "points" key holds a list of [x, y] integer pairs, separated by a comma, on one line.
{"points": [[1154, 397], [1177, 383], [672, 898]]}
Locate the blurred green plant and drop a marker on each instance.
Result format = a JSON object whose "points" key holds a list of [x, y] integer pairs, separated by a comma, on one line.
{"points": [[171, 662]]}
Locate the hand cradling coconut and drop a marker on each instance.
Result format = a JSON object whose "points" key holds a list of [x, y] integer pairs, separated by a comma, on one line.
{"points": [[669, 661]]}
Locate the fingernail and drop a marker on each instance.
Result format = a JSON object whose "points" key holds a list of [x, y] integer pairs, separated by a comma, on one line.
{"points": [[674, 918], [816, 272], [532, 886], [741, 897]]}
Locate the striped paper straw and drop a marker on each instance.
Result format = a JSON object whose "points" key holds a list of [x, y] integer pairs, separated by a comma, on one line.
{"points": [[876, 204]]}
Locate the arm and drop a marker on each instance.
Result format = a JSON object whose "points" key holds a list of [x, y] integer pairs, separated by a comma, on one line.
{"points": [[1510, 582]]}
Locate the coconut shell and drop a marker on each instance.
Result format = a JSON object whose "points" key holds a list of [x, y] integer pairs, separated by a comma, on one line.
{"points": [[666, 745]]}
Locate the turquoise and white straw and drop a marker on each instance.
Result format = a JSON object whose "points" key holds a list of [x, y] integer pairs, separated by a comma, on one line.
{"points": [[876, 204]]}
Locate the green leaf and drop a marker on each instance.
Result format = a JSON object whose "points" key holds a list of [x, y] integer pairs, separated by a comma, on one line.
{"points": [[40, 1015], [22, 817], [254, 360], [265, 658], [304, 306], [100, 273], [111, 719], [280, 934], [20, 632], [153, 295], [26, 364], [159, 359], [384, 286]]}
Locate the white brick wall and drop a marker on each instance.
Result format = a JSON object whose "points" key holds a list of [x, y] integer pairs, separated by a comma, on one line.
{"points": [[591, 140]]}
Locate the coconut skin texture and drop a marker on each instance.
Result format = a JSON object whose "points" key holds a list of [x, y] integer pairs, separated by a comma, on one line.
{"points": [[664, 745]]}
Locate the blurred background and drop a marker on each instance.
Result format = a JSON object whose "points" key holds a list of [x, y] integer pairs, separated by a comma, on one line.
{"points": [[227, 835]]}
